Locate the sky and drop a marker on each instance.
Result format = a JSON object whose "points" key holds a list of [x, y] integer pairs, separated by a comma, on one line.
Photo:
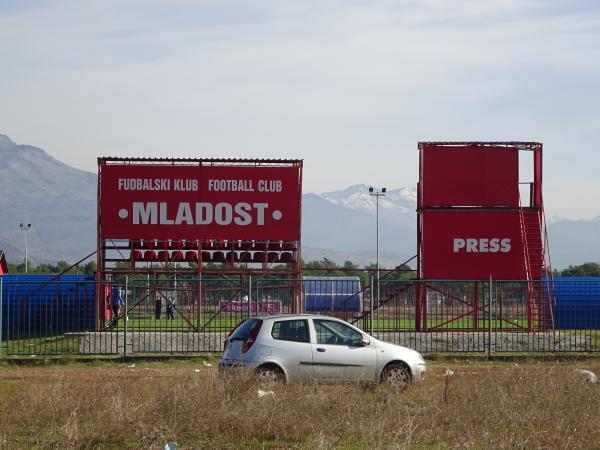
{"points": [[348, 86]]}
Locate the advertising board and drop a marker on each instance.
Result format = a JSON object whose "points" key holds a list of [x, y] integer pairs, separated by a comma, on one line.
{"points": [[469, 176], [256, 307], [199, 202], [472, 245]]}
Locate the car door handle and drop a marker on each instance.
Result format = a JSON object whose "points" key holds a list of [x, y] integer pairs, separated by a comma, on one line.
{"points": [[320, 349]]}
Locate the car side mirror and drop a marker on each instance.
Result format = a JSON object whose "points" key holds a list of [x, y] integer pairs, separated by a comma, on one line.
{"points": [[364, 342]]}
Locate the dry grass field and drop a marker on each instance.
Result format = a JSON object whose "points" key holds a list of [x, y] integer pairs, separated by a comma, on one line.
{"points": [[112, 406]]}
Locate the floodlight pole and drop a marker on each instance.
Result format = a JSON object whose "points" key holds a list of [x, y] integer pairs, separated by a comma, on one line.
{"points": [[24, 227], [377, 194]]}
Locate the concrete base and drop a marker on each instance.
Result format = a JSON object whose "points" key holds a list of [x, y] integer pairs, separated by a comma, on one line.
{"points": [[97, 343]]}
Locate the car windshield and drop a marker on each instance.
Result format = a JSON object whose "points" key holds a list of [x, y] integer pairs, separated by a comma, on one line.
{"points": [[244, 329]]}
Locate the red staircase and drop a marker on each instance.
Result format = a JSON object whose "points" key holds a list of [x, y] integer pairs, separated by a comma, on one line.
{"points": [[540, 315], [534, 249]]}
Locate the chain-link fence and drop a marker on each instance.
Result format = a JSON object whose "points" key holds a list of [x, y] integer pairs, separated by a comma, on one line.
{"points": [[180, 314]]}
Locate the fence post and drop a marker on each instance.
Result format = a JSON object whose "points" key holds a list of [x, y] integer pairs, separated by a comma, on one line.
{"points": [[490, 319], [371, 309], [250, 297], [332, 293], [1, 316], [125, 318]]}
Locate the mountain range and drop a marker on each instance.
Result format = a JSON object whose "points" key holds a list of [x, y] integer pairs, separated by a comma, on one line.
{"points": [[59, 202]]}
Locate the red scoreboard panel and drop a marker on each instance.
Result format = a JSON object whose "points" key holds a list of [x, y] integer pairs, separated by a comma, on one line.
{"points": [[472, 245], [469, 176], [208, 202]]}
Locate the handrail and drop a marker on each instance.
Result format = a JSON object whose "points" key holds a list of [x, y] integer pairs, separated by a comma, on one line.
{"points": [[548, 268], [368, 286], [524, 237], [527, 265]]}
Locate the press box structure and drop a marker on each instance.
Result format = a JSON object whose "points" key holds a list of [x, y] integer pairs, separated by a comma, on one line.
{"points": [[480, 217]]}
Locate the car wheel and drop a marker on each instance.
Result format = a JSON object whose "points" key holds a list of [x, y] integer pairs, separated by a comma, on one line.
{"points": [[396, 375], [269, 375]]}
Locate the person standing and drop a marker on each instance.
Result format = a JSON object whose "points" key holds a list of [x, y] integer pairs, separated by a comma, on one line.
{"points": [[116, 302], [157, 308], [170, 309]]}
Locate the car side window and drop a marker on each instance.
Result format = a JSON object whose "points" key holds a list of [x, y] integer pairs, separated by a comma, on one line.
{"points": [[291, 330], [336, 333]]}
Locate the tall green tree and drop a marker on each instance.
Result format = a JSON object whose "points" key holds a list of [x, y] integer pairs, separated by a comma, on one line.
{"points": [[403, 272], [88, 269], [588, 269]]}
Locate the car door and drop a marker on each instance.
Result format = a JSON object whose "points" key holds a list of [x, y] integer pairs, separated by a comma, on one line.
{"points": [[291, 347], [340, 353]]}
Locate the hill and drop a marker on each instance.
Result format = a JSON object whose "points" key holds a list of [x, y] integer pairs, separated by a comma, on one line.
{"points": [[58, 200]]}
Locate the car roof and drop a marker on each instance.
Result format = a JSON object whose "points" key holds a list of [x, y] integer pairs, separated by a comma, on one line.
{"points": [[294, 316]]}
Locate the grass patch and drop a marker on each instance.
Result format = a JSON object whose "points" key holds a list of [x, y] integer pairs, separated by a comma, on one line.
{"points": [[208, 322], [112, 405], [52, 344], [225, 322]]}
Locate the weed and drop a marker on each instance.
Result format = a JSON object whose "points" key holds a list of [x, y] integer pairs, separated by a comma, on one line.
{"points": [[529, 405]]}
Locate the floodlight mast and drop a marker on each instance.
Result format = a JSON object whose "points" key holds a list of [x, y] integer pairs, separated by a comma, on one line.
{"points": [[377, 193], [24, 227]]}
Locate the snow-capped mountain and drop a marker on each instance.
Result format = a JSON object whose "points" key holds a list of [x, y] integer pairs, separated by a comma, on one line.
{"points": [[352, 210], [344, 223], [402, 200]]}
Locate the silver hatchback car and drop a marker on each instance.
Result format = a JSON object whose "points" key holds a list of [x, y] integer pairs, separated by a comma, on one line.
{"points": [[309, 347]]}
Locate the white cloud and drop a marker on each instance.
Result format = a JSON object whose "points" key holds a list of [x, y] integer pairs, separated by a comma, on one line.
{"points": [[350, 87]]}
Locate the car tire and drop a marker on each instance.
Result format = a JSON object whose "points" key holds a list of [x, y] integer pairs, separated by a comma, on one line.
{"points": [[268, 375], [396, 375]]}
